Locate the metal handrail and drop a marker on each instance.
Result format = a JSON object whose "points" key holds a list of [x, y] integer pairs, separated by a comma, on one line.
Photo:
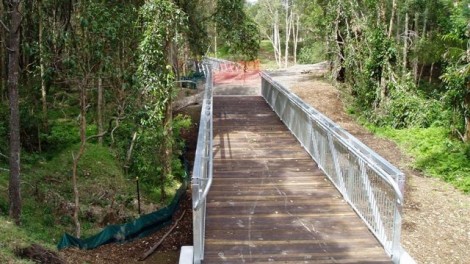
{"points": [[390, 173], [202, 170], [370, 184], [223, 65]]}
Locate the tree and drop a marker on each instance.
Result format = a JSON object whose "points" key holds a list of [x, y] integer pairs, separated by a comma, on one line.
{"points": [[457, 71], [268, 19], [162, 23], [13, 47], [288, 7], [239, 31], [3, 70]]}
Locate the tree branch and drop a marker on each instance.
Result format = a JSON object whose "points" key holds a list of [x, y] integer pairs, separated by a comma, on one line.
{"points": [[3, 155], [4, 26], [154, 247], [460, 135], [95, 136]]}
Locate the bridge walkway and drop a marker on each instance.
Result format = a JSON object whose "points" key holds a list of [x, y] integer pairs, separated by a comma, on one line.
{"points": [[269, 201]]}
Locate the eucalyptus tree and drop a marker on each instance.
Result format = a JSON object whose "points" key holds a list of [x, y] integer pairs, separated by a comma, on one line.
{"points": [[162, 25], [268, 17], [198, 18], [282, 16], [13, 48], [3, 68], [237, 29]]}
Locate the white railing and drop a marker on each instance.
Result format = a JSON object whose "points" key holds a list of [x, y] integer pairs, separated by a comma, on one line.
{"points": [[224, 65], [370, 184], [202, 170]]}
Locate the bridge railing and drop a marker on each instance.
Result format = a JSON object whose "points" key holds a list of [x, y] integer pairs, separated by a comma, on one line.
{"points": [[202, 170], [224, 65], [370, 184]]}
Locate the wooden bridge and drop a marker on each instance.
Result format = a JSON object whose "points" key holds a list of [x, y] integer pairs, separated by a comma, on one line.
{"points": [[260, 197], [269, 201]]}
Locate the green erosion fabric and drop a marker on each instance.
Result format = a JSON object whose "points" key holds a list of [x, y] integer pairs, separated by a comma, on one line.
{"points": [[141, 227]]}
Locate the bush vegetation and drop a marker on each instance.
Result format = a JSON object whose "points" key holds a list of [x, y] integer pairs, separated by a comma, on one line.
{"points": [[434, 152]]}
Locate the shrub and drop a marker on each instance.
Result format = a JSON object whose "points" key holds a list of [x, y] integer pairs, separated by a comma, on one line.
{"points": [[312, 53], [408, 109]]}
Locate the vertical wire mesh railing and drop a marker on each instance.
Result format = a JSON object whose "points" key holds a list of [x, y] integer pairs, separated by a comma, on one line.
{"points": [[202, 170], [370, 184]]}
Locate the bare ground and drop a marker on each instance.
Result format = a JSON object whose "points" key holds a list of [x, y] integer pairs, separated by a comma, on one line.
{"points": [[436, 224], [130, 252]]}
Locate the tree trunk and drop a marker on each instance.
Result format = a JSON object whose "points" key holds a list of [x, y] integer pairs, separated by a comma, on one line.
{"points": [[420, 73], [392, 17], [277, 41], [3, 76], [129, 152], [13, 77], [296, 37], [405, 44], [76, 158], [425, 22], [431, 72], [278, 45], [42, 70], [340, 71], [467, 129], [100, 111], [466, 137], [397, 31], [287, 31], [415, 48], [167, 148], [215, 41], [274, 44]]}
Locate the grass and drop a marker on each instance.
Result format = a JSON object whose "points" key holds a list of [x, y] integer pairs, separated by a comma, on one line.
{"points": [[434, 153], [47, 192], [11, 239]]}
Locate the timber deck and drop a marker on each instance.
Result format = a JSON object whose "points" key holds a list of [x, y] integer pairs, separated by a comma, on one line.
{"points": [[269, 201]]}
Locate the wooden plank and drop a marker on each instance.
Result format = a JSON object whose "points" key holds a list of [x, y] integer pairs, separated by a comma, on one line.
{"points": [[269, 201]]}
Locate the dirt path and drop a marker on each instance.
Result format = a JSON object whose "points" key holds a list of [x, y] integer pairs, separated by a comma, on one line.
{"points": [[436, 225]]}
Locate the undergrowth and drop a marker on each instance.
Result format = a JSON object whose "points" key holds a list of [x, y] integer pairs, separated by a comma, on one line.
{"points": [[48, 197], [434, 152], [11, 239]]}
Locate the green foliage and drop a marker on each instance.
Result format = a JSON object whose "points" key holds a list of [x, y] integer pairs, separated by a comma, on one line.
{"points": [[47, 191], [12, 238], [162, 20], [312, 53], [239, 32], [246, 40], [434, 153], [409, 109], [63, 133], [197, 25], [365, 69], [149, 166], [456, 75]]}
